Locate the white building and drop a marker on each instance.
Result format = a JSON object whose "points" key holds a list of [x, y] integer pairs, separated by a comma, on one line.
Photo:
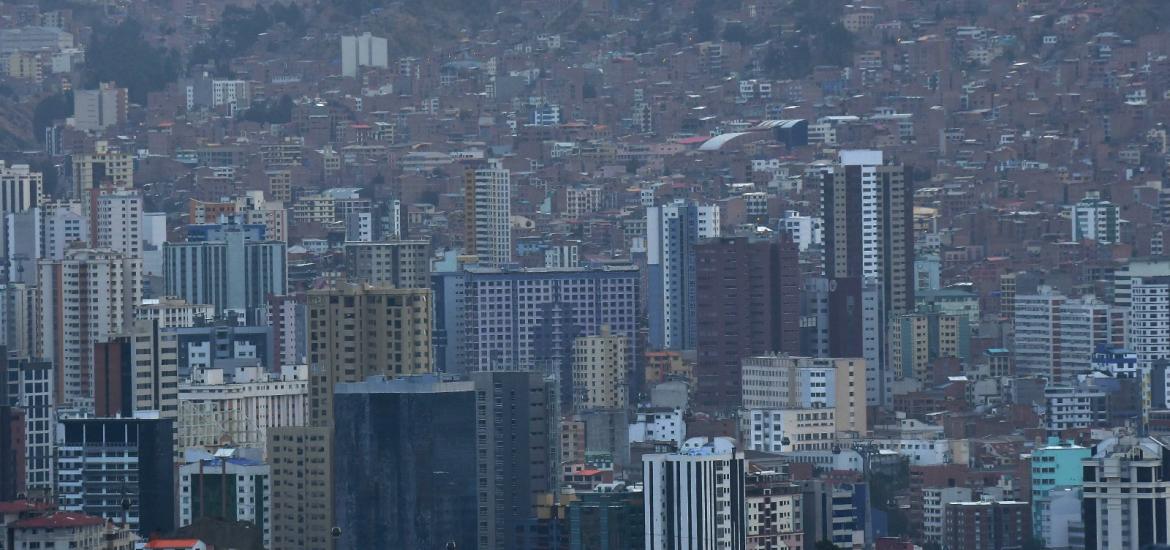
{"points": [[658, 425], [96, 110], [98, 286], [934, 504], [672, 230], [490, 232], [241, 404], [786, 430], [117, 223], [700, 489], [1149, 321], [30, 386], [805, 231], [173, 312], [364, 50], [1055, 335], [20, 188], [1097, 220], [1124, 483]]}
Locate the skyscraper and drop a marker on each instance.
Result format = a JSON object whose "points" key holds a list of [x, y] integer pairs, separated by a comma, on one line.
{"points": [[487, 213], [86, 298], [1055, 335], [355, 331], [20, 188], [28, 385], [694, 499], [869, 242], [529, 318], [748, 304], [105, 166], [402, 264], [103, 461], [1126, 502], [600, 371], [234, 273], [672, 231]]}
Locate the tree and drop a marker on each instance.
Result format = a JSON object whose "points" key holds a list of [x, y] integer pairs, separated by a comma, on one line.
{"points": [[826, 545], [50, 109], [121, 54], [737, 32]]}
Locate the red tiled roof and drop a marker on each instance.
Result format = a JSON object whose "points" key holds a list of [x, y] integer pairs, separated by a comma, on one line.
{"points": [[172, 543], [58, 520]]}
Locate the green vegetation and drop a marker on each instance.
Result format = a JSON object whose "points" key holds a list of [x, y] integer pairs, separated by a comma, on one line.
{"points": [[55, 107], [122, 54], [238, 30], [272, 112]]}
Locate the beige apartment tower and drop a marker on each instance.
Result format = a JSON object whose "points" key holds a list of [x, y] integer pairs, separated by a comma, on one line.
{"points": [[599, 371]]}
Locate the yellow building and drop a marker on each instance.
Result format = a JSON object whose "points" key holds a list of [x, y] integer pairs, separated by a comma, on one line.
{"points": [[599, 372]]}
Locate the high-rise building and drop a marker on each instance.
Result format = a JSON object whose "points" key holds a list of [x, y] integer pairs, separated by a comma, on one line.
{"points": [[487, 213], [12, 451], [1055, 336], [86, 298], [600, 371], [1055, 465], [1127, 494], [784, 382], [28, 385], [102, 462], [234, 273], [1149, 324], [1096, 219], [774, 508], [96, 110], [364, 50], [357, 331], [401, 264], [174, 312], [302, 487], [869, 256], [227, 487], [474, 490], [529, 318], [987, 525], [20, 188], [18, 319], [695, 498], [672, 231], [517, 411], [104, 166], [788, 430], [918, 339], [115, 220], [748, 304]]}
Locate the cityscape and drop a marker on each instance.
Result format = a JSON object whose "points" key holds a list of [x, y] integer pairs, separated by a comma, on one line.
{"points": [[585, 274]]}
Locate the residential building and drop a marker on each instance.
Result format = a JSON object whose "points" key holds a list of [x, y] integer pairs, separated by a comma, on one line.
{"points": [[529, 318], [672, 231], [987, 525], [401, 264], [104, 166], [364, 50], [68, 530], [658, 425], [919, 339], [1126, 494], [748, 303], [102, 462], [487, 213], [1055, 466], [301, 460], [785, 382], [1149, 326], [694, 499], [98, 286], [12, 452], [234, 273], [788, 430], [869, 257], [600, 371], [174, 312], [20, 188], [774, 512], [1096, 219], [227, 487], [1055, 336], [241, 404], [96, 110], [934, 507], [28, 385]]}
